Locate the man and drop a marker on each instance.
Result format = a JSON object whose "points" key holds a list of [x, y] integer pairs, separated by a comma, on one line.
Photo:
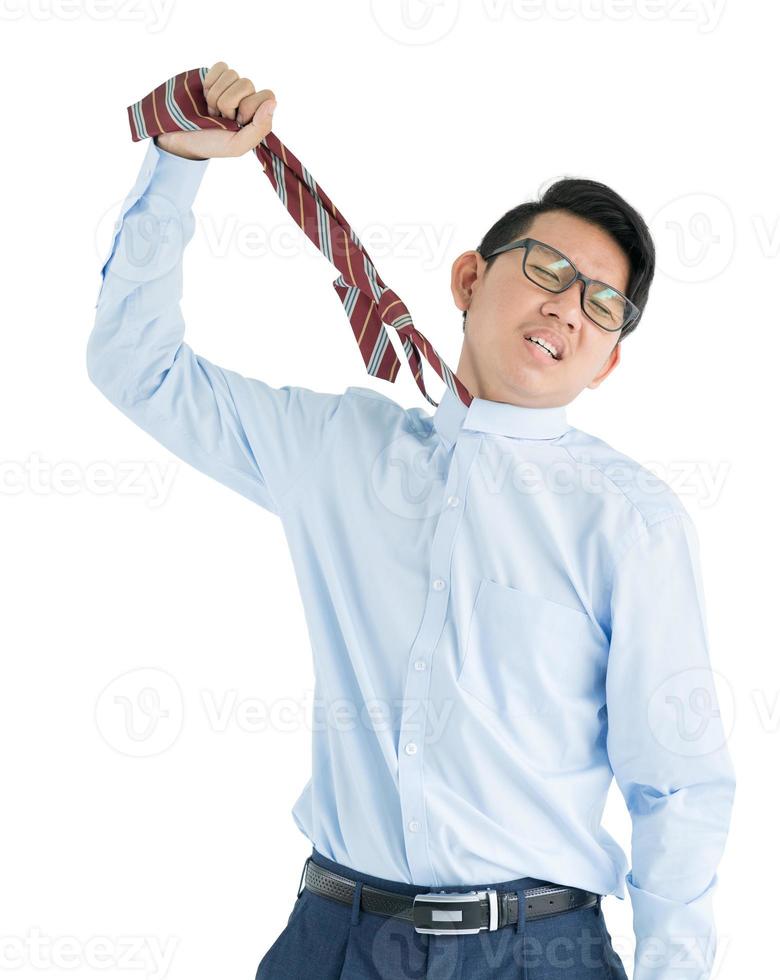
{"points": [[504, 610]]}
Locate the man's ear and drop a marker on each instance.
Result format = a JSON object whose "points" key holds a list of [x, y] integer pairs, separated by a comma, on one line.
{"points": [[465, 270], [609, 366]]}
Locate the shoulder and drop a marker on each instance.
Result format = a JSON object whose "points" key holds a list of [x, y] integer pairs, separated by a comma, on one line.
{"points": [[373, 408], [354, 391], [649, 496]]}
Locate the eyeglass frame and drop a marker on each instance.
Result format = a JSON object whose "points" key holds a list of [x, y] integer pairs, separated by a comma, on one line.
{"points": [[523, 243]]}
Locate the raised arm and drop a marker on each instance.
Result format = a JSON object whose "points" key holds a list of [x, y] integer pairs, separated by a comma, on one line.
{"points": [[667, 746], [252, 437]]}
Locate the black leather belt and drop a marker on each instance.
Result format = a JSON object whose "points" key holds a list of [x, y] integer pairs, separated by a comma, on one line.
{"points": [[445, 913]]}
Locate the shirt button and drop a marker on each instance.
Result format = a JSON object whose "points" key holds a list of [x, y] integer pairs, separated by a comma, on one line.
{"points": [[414, 826], [410, 748], [453, 501], [438, 584], [419, 665]]}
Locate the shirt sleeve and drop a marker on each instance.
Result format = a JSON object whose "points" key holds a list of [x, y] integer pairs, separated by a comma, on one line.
{"points": [[667, 746], [256, 439]]}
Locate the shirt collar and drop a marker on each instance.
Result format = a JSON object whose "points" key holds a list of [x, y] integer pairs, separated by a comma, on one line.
{"points": [[500, 418]]}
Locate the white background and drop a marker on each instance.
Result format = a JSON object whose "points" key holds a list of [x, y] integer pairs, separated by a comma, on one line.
{"points": [[423, 128]]}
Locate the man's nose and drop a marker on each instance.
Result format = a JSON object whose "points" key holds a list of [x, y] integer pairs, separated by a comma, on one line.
{"points": [[567, 305]]}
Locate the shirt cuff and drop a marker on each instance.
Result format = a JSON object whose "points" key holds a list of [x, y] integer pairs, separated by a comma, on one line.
{"points": [[174, 177], [674, 940]]}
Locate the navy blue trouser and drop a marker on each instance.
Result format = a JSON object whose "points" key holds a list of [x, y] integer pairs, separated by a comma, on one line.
{"points": [[327, 940]]}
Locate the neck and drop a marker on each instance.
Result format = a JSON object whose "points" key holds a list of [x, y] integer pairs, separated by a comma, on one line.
{"points": [[486, 387]]}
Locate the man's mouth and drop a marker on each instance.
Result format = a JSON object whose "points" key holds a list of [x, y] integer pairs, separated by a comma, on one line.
{"points": [[545, 347]]}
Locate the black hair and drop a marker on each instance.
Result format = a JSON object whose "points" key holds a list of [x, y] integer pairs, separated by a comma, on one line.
{"points": [[599, 204]]}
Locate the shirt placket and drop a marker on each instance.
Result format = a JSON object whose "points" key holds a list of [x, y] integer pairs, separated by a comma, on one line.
{"points": [[415, 716]]}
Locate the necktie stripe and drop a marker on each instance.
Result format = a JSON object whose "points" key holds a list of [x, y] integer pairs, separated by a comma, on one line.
{"points": [[155, 120], [356, 295], [324, 229], [173, 109], [139, 122], [379, 352], [348, 257], [281, 190], [395, 302], [371, 279], [179, 105]]}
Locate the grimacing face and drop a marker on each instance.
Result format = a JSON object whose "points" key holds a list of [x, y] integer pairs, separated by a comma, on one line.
{"points": [[497, 362]]}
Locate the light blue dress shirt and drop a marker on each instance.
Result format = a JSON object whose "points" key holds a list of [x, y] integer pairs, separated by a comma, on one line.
{"points": [[504, 612]]}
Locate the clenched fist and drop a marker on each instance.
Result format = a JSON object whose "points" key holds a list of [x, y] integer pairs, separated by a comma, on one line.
{"points": [[229, 97]]}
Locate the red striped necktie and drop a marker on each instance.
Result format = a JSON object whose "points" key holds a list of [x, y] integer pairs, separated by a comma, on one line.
{"points": [[180, 104]]}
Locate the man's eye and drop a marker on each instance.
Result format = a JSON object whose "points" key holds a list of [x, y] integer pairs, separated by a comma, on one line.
{"points": [[546, 272], [601, 309]]}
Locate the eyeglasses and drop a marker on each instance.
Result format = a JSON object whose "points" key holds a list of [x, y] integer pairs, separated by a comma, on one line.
{"points": [[545, 266]]}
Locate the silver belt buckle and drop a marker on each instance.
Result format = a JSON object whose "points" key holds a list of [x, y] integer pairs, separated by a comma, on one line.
{"points": [[453, 913]]}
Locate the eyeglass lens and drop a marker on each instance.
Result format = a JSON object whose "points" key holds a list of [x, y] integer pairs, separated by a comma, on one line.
{"points": [[548, 268]]}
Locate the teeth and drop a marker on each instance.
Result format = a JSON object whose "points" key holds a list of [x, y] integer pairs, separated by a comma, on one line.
{"points": [[543, 344]]}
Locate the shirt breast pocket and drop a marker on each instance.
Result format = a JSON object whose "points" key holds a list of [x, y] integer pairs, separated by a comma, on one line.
{"points": [[529, 656]]}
